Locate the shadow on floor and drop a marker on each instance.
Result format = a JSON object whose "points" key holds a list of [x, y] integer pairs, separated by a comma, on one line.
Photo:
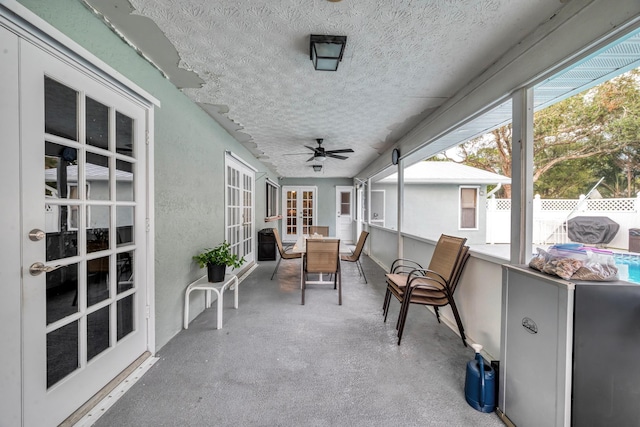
{"points": [[278, 363]]}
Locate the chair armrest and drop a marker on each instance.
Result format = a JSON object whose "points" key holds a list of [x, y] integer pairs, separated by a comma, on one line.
{"points": [[422, 274], [403, 265]]}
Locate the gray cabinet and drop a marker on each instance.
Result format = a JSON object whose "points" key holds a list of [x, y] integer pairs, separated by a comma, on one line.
{"points": [[536, 347], [570, 351]]}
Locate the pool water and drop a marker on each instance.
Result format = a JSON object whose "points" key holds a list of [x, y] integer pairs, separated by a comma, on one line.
{"points": [[630, 262]]}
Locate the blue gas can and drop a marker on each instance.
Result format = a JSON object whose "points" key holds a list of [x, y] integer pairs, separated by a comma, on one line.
{"points": [[480, 384]]}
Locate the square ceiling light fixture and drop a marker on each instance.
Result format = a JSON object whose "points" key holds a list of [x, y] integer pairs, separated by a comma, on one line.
{"points": [[326, 51], [317, 168]]}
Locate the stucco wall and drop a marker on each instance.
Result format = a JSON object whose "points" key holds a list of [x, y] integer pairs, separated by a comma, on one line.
{"points": [[189, 163], [432, 210]]}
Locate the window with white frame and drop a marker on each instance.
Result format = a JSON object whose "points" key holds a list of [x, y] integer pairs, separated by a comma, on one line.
{"points": [[469, 207], [272, 205], [383, 199]]}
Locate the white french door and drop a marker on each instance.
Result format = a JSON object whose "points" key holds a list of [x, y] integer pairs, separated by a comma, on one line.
{"points": [[344, 213], [299, 211], [83, 208], [240, 218]]}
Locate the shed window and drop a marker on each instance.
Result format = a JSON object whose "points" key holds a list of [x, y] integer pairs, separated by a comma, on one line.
{"points": [[469, 207]]}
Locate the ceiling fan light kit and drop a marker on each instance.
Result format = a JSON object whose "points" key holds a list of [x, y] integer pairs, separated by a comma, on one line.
{"points": [[326, 51]]}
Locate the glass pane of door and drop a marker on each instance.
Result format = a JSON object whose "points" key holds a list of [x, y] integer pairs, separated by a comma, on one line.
{"points": [[78, 291], [307, 211], [291, 214]]}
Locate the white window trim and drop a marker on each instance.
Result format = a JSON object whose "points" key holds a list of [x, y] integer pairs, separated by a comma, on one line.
{"points": [[378, 222]]}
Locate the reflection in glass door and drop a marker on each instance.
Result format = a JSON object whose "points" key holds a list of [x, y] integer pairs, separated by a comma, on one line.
{"points": [[299, 210], [84, 288]]}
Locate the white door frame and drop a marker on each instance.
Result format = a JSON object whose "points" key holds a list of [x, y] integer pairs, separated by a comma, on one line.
{"points": [[377, 220], [344, 223], [299, 227], [244, 210], [25, 25], [10, 251]]}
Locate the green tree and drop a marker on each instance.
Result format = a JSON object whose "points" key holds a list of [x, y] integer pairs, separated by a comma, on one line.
{"points": [[576, 141]]}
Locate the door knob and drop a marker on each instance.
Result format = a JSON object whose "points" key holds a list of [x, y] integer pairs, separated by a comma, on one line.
{"points": [[38, 267]]}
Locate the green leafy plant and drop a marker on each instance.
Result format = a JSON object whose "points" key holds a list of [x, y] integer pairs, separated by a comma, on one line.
{"points": [[220, 255]]}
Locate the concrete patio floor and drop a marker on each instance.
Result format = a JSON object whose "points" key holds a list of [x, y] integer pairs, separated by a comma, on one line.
{"points": [[276, 362]]}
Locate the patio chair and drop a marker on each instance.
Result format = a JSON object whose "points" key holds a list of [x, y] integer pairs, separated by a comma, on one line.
{"points": [[322, 230], [355, 256], [434, 286], [283, 252], [323, 256]]}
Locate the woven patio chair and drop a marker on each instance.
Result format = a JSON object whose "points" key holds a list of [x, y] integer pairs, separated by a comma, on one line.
{"points": [[434, 286]]}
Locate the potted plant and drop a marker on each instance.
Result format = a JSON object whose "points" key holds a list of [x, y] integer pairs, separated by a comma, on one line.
{"points": [[217, 259]]}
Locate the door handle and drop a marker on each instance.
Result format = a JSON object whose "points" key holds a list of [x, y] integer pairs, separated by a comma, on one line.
{"points": [[37, 267]]}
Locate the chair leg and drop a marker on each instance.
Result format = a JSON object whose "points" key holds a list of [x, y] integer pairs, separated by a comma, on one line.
{"points": [[437, 313], [385, 305], [304, 285], [458, 321], [339, 275], [402, 317], [276, 269], [399, 315], [359, 264]]}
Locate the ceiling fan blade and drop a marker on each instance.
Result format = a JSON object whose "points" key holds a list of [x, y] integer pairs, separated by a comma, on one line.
{"points": [[335, 156], [312, 148], [312, 157], [295, 154], [345, 150]]}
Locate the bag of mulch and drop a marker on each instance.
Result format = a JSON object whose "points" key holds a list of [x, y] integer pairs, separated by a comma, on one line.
{"points": [[600, 266], [558, 261], [539, 260], [564, 262]]}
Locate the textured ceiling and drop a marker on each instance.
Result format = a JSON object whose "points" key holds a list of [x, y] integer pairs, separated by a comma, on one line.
{"points": [[247, 64]]}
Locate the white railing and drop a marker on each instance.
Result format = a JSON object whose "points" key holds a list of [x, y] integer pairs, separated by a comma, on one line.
{"points": [[550, 216]]}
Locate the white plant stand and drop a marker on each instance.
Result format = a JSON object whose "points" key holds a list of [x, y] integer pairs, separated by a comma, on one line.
{"points": [[230, 281]]}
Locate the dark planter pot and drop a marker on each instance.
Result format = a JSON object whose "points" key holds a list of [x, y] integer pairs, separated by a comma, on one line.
{"points": [[216, 272]]}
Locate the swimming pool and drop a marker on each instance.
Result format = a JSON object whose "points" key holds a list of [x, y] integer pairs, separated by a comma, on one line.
{"points": [[628, 262]]}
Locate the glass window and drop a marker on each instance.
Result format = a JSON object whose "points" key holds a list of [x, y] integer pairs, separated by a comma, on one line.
{"points": [[272, 200], [469, 207]]}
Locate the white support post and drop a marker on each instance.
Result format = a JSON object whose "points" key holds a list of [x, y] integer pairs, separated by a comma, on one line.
{"points": [[522, 177], [400, 206]]}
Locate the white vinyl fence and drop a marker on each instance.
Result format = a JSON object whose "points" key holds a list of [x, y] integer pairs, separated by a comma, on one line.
{"points": [[550, 216]]}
